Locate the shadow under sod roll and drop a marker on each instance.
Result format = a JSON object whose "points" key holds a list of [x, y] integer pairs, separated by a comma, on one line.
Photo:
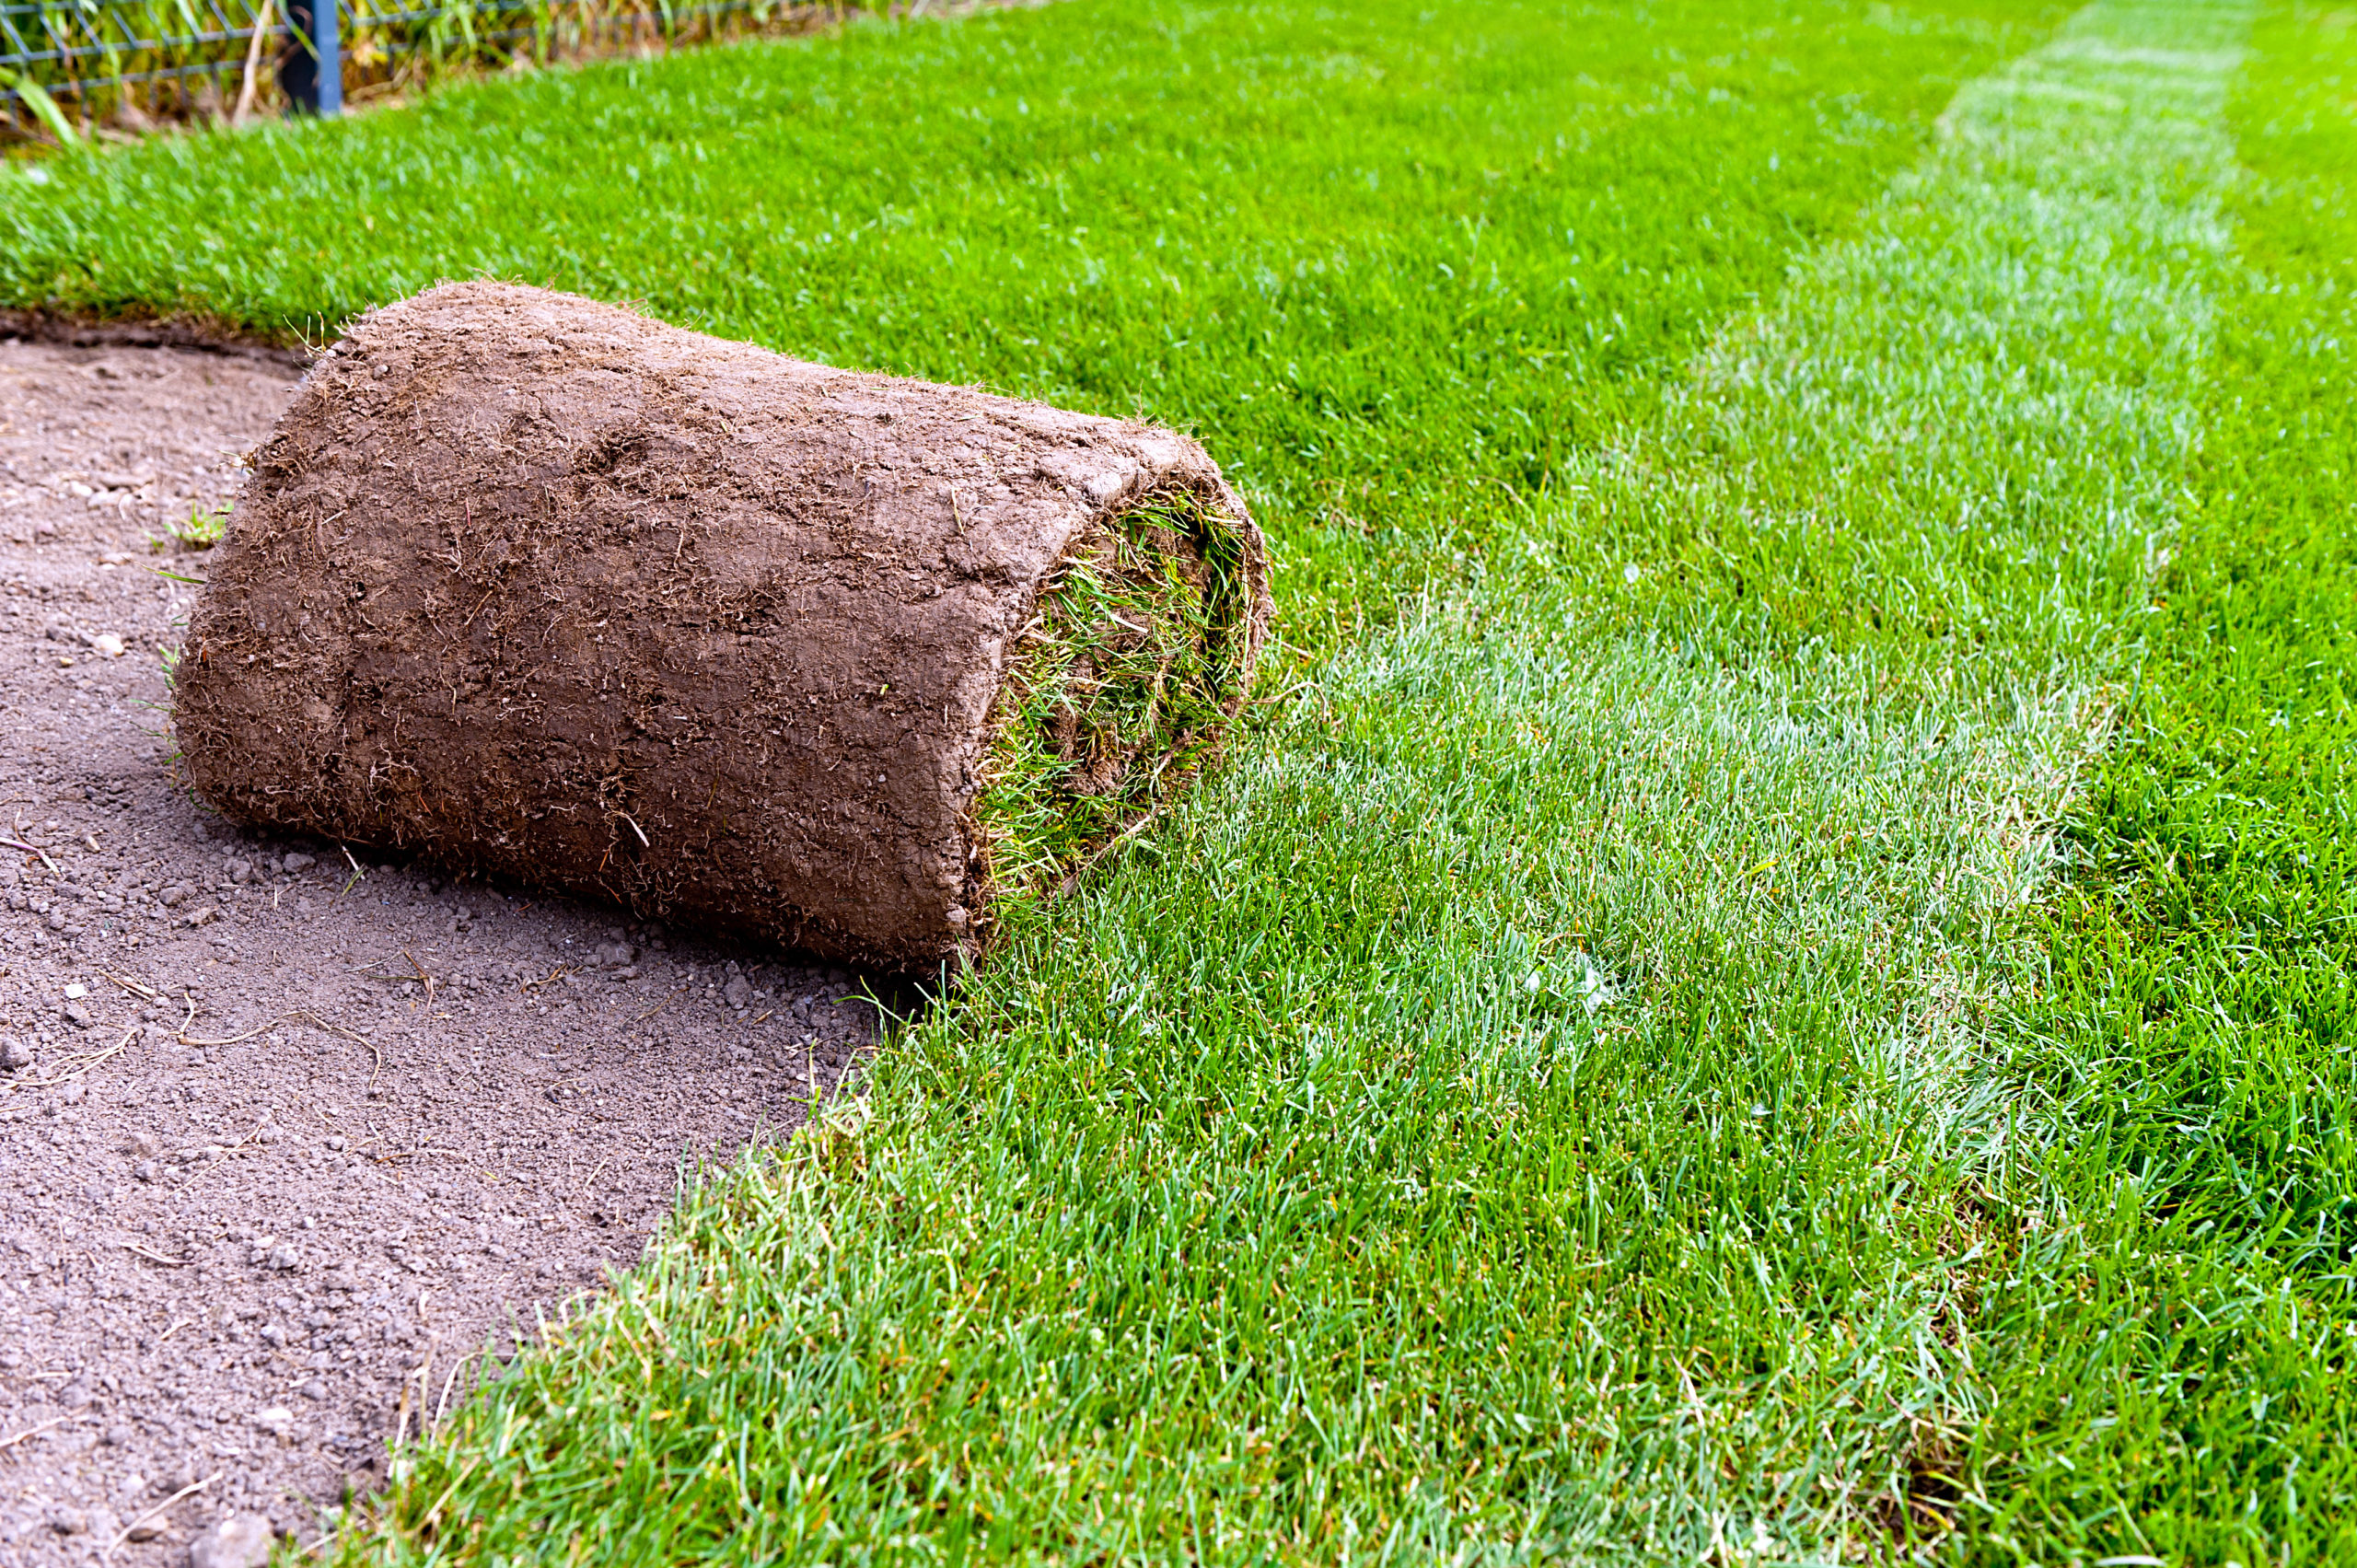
{"points": [[539, 587]]}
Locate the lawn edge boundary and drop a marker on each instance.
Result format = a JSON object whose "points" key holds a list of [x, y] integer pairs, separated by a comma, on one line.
{"points": [[203, 334]]}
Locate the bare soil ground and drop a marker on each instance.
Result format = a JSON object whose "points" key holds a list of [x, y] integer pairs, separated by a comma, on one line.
{"points": [[282, 1134]]}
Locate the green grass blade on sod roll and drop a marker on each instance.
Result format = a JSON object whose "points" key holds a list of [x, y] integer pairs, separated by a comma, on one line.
{"points": [[1124, 684]]}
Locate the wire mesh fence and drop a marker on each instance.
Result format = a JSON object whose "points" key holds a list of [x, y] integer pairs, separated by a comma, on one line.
{"points": [[71, 69]]}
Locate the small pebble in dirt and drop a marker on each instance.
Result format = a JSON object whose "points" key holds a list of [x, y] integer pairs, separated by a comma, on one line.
{"points": [[299, 863], [69, 1521], [242, 1540], [315, 1389], [15, 1054]]}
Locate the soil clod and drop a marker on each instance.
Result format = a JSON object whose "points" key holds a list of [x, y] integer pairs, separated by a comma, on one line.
{"points": [[242, 1540]]}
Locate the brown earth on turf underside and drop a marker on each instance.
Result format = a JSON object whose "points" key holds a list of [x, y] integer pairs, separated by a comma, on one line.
{"points": [[543, 588]]}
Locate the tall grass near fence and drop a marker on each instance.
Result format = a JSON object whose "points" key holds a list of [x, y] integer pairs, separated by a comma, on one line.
{"points": [[72, 69]]}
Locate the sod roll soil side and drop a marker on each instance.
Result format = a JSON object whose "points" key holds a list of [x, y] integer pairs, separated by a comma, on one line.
{"points": [[545, 589]]}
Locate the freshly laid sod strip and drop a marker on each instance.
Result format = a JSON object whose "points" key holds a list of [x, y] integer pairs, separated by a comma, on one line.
{"points": [[1385, 261], [1537, 1104], [2170, 1340]]}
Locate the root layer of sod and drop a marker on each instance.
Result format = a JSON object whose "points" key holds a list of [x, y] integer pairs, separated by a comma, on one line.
{"points": [[1122, 685]]}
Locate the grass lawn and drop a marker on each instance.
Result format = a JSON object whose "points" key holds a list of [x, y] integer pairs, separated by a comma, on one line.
{"points": [[1772, 979], [2178, 1345], [1383, 264]]}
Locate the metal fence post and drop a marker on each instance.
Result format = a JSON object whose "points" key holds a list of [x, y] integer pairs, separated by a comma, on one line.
{"points": [[311, 78], [330, 40]]}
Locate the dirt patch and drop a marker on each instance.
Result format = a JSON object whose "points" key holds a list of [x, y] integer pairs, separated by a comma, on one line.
{"points": [[563, 594], [439, 1105]]}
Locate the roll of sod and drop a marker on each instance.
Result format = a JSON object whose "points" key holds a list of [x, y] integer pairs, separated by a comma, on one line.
{"points": [[538, 587]]}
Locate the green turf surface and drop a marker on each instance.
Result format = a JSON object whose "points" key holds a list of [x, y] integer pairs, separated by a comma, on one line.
{"points": [[1534, 1100], [2174, 1333], [1623, 1064], [1378, 262]]}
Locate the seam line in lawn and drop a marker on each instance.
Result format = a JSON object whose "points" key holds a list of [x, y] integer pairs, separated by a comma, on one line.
{"points": [[1972, 422], [1900, 418]]}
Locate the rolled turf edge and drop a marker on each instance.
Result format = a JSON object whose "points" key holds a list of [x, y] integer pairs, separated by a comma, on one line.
{"points": [[540, 588]]}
